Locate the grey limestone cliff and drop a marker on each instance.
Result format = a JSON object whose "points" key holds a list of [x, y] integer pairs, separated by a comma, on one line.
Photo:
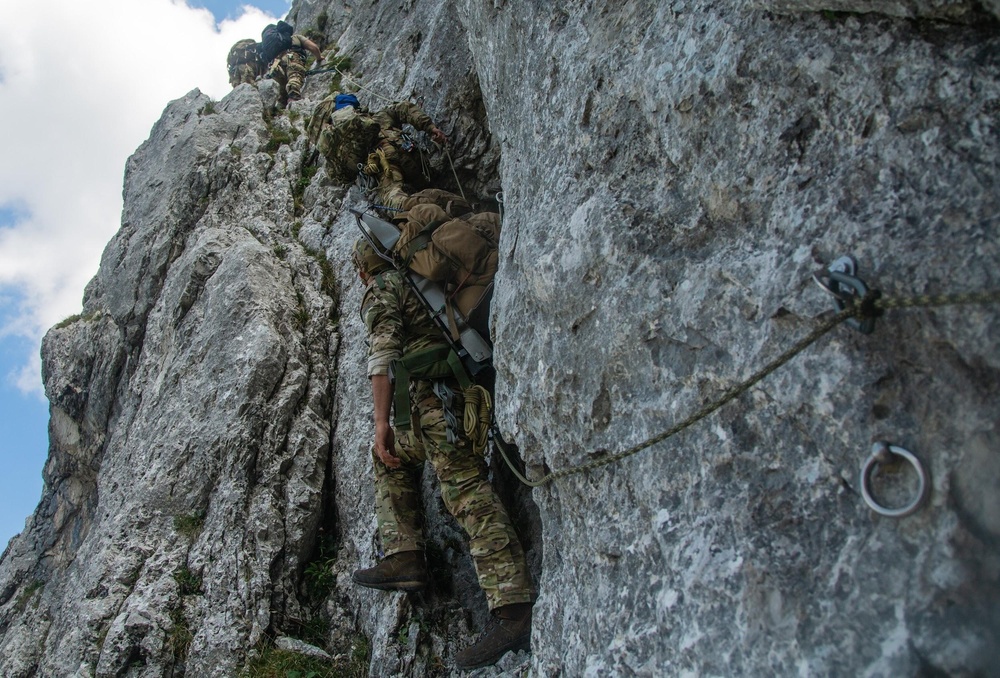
{"points": [[673, 173]]}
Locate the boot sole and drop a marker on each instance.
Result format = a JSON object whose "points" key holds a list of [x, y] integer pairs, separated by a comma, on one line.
{"points": [[408, 585], [521, 644]]}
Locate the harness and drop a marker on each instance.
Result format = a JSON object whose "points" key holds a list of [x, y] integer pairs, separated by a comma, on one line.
{"points": [[435, 363]]}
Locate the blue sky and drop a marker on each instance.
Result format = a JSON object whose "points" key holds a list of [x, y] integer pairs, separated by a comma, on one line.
{"points": [[228, 9], [61, 176]]}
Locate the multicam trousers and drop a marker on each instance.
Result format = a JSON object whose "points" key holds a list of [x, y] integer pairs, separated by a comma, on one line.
{"points": [[400, 173], [467, 494], [392, 191], [244, 73], [289, 71]]}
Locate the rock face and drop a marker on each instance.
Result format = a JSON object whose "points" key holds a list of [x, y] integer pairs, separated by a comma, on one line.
{"points": [[673, 173]]}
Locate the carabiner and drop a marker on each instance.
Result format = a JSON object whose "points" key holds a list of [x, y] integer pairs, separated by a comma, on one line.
{"points": [[840, 280]]}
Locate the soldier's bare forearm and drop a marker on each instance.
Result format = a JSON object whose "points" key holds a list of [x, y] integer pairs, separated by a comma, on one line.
{"points": [[381, 397], [384, 436]]}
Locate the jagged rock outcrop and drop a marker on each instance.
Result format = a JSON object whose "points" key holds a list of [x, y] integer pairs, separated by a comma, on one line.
{"points": [[673, 173]]}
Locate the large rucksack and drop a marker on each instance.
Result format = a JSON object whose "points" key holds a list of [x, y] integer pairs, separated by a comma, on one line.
{"points": [[275, 39], [345, 138], [450, 265], [454, 205], [460, 254], [245, 51]]}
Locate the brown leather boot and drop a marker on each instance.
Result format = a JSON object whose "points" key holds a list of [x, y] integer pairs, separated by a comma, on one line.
{"points": [[406, 571], [509, 628]]}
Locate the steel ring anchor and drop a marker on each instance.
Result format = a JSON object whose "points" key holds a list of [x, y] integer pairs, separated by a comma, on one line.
{"points": [[882, 453]]}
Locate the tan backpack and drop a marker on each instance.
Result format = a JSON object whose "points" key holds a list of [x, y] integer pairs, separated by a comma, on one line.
{"points": [[246, 51], [461, 254], [454, 205]]}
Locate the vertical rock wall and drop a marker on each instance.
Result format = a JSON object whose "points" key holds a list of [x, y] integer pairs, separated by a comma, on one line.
{"points": [[673, 173]]}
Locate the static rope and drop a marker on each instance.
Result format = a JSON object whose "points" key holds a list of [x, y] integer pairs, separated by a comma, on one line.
{"points": [[358, 83], [870, 305], [455, 174]]}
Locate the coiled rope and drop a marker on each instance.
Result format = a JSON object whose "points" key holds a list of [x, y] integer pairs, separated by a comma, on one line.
{"points": [[871, 305], [478, 415]]}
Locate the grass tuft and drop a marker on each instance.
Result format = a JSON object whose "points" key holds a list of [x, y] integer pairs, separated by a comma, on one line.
{"points": [[190, 524], [180, 636], [188, 582], [271, 662], [21, 604]]}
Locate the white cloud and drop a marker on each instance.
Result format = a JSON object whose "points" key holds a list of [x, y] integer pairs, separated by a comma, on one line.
{"points": [[81, 84]]}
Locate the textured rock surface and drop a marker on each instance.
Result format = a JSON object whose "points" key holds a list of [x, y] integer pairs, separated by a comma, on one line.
{"points": [[960, 11], [673, 173]]}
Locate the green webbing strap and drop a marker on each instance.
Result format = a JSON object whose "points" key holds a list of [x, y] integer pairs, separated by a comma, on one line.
{"points": [[458, 370], [437, 362]]}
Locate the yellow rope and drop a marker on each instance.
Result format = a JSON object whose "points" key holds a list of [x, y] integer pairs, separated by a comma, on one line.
{"points": [[867, 307], [478, 414]]}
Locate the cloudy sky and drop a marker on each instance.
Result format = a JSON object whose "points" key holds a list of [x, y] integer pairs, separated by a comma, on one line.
{"points": [[81, 84]]}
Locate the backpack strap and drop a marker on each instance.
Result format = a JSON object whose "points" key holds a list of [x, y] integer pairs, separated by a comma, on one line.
{"points": [[452, 323]]}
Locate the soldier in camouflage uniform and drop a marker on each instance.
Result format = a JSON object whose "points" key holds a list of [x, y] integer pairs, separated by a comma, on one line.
{"points": [[399, 326], [395, 161], [288, 69], [244, 63]]}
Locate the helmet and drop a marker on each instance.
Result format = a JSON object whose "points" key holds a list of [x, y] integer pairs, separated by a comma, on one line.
{"points": [[366, 259]]}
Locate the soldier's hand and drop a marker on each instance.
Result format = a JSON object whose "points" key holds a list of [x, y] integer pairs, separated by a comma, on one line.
{"points": [[385, 442], [372, 167], [439, 136], [383, 162]]}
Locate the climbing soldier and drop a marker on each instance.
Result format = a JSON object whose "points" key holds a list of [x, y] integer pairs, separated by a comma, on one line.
{"points": [[402, 336], [286, 52], [244, 62], [387, 153], [396, 161]]}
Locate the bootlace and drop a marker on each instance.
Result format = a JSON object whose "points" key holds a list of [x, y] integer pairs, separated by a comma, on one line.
{"points": [[493, 623]]}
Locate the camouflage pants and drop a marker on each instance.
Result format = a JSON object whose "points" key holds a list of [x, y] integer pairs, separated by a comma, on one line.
{"points": [[244, 73], [400, 173], [465, 491], [392, 191], [289, 71]]}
